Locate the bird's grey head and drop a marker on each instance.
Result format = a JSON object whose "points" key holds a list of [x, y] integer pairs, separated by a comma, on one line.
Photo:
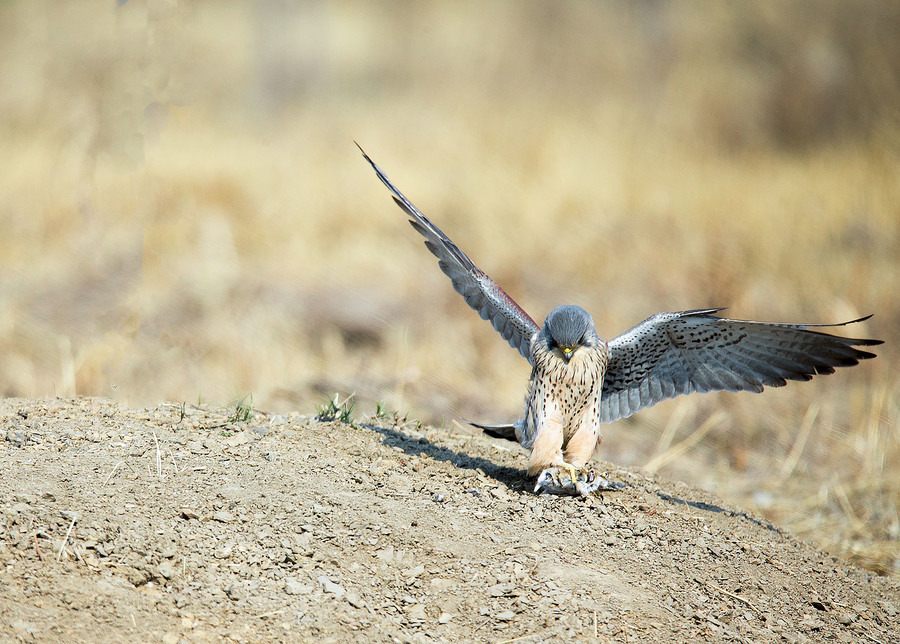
{"points": [[567, 328]]}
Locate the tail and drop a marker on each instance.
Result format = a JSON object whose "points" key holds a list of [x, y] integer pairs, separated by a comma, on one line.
{"points": [[507, 431]]}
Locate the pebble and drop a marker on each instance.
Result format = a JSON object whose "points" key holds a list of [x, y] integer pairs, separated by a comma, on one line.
{"points": [[331, 587], [294, 587], [165, 569], [16, 437], [414, 572], [240, 438], [442, 583], [506, 616], [498, 590], [354, 600], [847, 618], [416, 611]]}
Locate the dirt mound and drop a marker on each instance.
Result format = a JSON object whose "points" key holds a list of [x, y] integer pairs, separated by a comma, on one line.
{"points": [[184, 524]]}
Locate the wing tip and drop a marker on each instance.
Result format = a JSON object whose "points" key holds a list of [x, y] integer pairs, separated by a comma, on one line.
{"points": [[365, 156], [506, 431]]}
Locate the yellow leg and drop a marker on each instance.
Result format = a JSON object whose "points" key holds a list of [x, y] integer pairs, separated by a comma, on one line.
{"points": [[571, 469]]}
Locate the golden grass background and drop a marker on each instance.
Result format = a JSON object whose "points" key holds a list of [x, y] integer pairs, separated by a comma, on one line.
{"points": [[185, 216]]}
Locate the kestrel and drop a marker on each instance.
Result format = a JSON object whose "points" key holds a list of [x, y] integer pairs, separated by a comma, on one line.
{"points": [[580, 381]]}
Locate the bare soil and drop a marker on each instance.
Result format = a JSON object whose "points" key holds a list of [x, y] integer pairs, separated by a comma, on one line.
{"points": [[181, 524]]}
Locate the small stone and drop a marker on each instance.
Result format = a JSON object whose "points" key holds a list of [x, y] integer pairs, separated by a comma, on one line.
{"points": [[331, 587], [235, 593], [16, 437], [506, 616], [165, 569], [197, 447], [811, 623], [444, 618], [847, 618], [294, 587], [20, 508], [498, 590], [499, 493], [241, 438], [354, 600], [135, 576], [223, 516], [223, 552], [187, 513], [21, 626], [417, 611], [414, 572]]}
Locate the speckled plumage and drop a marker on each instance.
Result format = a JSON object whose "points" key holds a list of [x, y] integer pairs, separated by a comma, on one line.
{"points": [[571, 387], [580, 381]]}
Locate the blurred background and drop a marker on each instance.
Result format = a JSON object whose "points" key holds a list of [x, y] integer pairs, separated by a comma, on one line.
{"points": [[184, 216]]}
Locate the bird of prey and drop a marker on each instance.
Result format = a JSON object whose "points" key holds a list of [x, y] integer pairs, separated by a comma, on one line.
{"points": [[580, 381]]}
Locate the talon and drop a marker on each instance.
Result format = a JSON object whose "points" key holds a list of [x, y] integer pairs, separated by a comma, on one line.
{"points": [[572, 472]]}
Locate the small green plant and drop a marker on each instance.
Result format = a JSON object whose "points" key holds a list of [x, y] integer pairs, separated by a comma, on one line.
{"points": [[243, 410], [391, 415], [336, 410]]}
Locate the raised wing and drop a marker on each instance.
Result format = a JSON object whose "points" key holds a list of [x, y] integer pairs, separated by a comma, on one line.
{"points": [[671, 354], [479, 290]]}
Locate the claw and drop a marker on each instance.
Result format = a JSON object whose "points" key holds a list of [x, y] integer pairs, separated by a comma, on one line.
{"points": [[583, 482], [572, 472]]}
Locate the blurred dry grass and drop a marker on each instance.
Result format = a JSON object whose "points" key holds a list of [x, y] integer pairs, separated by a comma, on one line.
{"points": [[184, 214]]}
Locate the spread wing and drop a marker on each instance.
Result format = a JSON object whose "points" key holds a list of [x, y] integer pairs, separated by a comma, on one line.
{"points": [[671, 354], [479, 290]]}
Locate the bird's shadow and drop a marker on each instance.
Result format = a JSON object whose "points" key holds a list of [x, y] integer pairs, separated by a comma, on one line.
{"points": [[709, 507], [513, 478], [516, 480]]}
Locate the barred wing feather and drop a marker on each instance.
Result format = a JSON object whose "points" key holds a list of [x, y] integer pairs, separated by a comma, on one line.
{"points": [[670, 354], [477, 288]]}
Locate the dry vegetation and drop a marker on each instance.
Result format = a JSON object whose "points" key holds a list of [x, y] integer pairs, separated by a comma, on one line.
{"points": [[185, 216]]}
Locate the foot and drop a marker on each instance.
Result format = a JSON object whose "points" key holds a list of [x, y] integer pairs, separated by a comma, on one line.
{"points": [[572, 481]]}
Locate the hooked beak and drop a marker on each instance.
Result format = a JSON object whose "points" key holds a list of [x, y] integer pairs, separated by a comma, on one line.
{"points": [[567, 352]]}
